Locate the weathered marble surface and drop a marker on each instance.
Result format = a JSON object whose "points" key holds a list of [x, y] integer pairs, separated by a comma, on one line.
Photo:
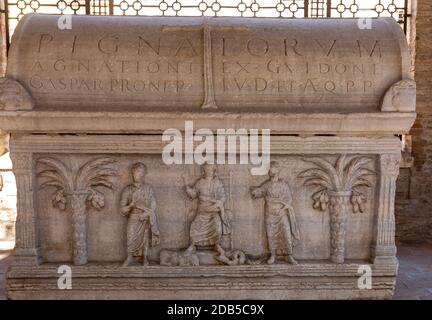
{"points": [[218, 91], [369, 235], [80, 200], [157, 64]]}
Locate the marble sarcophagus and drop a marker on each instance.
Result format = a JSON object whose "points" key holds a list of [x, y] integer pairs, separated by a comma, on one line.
{"points": [[113, 124]]}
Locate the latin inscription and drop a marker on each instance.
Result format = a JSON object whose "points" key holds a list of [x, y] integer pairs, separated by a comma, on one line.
{"points": [[284, 67], [160, 65]]}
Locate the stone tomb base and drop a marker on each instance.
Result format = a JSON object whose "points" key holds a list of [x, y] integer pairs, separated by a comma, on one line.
{"points": [[304, 281]]}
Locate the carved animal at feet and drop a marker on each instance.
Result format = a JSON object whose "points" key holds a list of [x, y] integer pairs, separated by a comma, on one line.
{"points": [[231, 257], [178, 258]]}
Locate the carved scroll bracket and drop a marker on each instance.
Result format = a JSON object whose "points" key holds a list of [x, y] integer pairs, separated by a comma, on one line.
{"points": [[400, 97], [13, 96]]}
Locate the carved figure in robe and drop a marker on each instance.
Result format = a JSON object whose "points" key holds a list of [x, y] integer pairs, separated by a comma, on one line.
{"points": [[210, 221], [279, 215], [139, 205]]}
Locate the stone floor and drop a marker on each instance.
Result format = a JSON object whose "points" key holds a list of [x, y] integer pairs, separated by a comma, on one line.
{"points": [[414, 279]]}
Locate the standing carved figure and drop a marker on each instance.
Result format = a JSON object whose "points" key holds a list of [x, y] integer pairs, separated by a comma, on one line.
{"points": [[139, 204], [210, 221], [280, 220]]}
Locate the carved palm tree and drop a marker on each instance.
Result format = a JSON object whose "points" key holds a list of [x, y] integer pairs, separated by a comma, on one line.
{"points": [[339, 185], [79, 189]]}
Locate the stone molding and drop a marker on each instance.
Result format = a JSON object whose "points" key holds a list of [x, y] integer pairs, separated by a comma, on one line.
{"points": [[383, 123]]}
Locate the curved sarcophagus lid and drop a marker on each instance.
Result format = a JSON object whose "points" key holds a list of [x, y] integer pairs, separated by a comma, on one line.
{"points": [[113, 63]]}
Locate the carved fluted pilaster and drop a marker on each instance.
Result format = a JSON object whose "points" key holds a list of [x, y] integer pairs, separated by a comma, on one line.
{"points": [[384, 250], [26, 246]]}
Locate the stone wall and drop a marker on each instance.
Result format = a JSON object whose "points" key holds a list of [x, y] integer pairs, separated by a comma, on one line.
{"points": [[414, 212]]}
